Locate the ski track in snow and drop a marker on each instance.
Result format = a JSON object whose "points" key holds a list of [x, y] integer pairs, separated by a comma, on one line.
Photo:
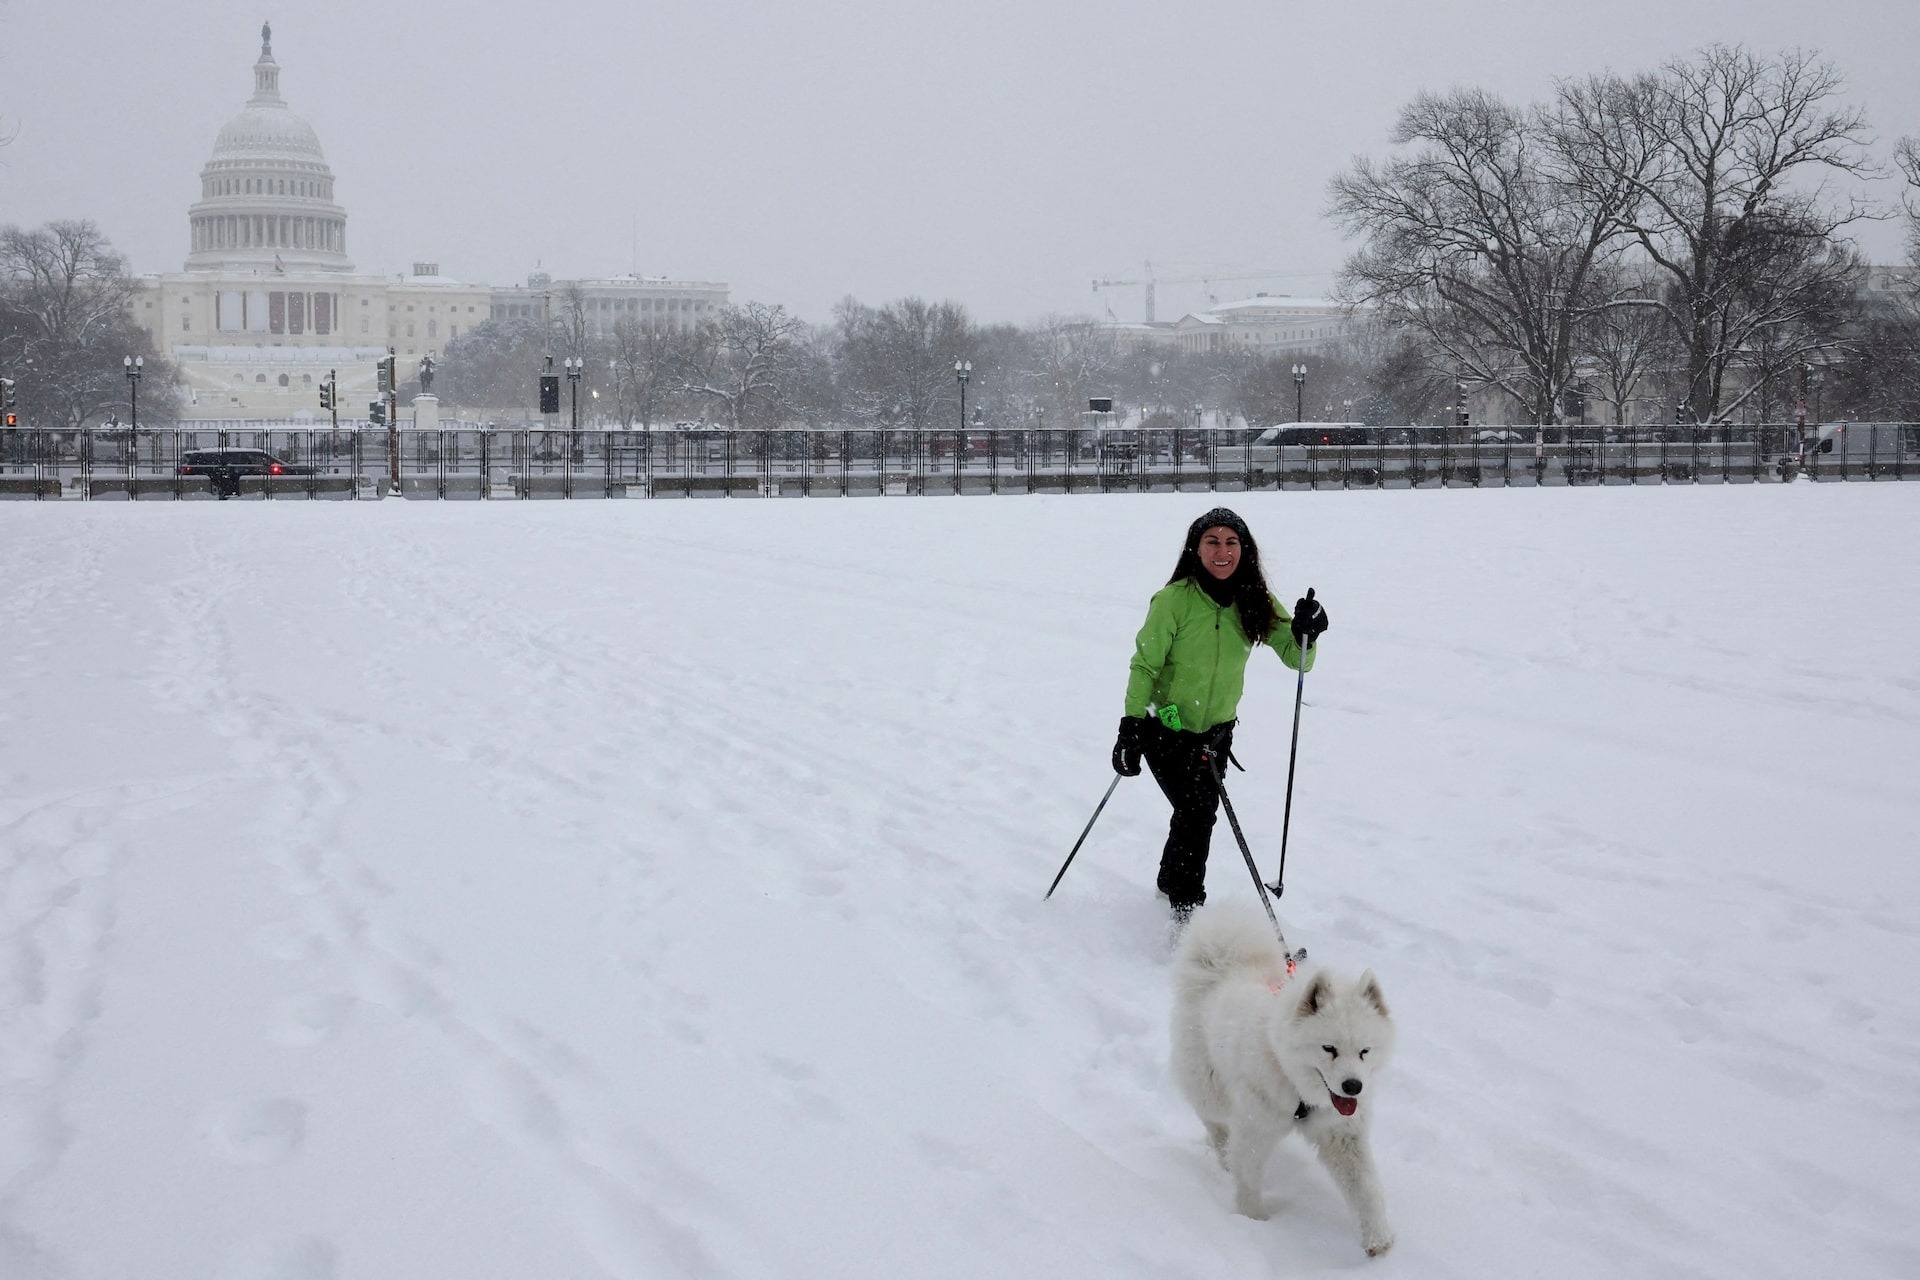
{"points": [[667, 882]]}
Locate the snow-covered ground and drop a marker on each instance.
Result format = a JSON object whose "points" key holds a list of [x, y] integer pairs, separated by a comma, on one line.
{"points": [[434, 891]]}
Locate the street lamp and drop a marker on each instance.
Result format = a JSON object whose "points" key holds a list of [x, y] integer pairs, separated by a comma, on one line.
{"points": [[962, 370], [1346, 407], [574, 366], [133, 366], [1299, 393]]}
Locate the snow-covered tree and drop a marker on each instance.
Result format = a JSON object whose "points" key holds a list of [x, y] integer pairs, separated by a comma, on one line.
{"points": [[897, 361], [644, 360], [496, 364], [1726, 152], [1626, 348], [1907, 156], [1486, 236], [744, 362], [1072, 360], [65, 329]]}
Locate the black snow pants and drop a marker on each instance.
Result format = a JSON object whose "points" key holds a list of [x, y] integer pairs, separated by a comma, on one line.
{"points": [[1183, 764]]}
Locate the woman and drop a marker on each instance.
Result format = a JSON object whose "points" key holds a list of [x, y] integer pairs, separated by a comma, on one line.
{"points": [[1189, 665]]}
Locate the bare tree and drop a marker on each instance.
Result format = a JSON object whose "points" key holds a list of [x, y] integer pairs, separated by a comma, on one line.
{"points": [[813, 396], [1880, 377], [1907, 156], [569, 319], [645, 360], [1798, 294], [897, 361], [999, 352], [65, 328], [496, 364], [1625, 348], [744, 359], [1073, 359], [1713, 146], [1486, 237], [1167, 384]]}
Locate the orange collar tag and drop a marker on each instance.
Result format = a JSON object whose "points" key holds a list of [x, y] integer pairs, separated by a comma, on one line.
{"points": [[1292, 968]]}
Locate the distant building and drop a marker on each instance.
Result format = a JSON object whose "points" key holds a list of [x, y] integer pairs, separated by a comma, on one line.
{"points": [[1896, 280], [1265, 324], [268, 301], [653, 302]]}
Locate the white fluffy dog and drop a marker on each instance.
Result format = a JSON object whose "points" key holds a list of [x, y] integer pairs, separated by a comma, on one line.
{"points": [[1258, 1053]]}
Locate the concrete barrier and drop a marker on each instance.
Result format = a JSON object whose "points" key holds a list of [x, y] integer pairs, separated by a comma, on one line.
{"points": [[30, 487], [296, 488], [703, 486], [456, 488]]}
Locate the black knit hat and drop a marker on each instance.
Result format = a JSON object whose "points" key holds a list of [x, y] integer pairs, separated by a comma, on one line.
{"points": [[1218, 517]]}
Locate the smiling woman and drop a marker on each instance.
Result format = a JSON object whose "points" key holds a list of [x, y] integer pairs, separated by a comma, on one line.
{"points": [[1183, 691]]}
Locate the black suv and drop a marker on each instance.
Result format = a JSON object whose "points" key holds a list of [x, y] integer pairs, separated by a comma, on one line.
{"points": [[224, 467]]}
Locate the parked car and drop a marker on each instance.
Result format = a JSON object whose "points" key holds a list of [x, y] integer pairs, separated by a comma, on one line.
{"points": [[1322, 437], [1494, 435], [224, 467]]}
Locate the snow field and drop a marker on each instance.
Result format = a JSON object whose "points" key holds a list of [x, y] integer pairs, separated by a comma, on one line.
{"points": [[653, 889]]}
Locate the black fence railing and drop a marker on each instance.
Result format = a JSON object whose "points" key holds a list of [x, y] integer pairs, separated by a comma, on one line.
{"points": [[464, 462]]}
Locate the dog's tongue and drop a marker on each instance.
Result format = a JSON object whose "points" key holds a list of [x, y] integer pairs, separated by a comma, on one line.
{"points": [[1344, 1105]]}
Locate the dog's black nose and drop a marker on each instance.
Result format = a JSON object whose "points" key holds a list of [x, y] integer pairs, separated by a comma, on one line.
{"points": [[1351, 1086]]}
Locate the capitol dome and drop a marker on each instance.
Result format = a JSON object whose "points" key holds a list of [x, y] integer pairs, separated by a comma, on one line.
{"points": [[265, 133], [266, 195]]}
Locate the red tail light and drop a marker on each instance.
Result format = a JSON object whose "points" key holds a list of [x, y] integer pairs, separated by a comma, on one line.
{"points": [[275, 469], [186, 470]]}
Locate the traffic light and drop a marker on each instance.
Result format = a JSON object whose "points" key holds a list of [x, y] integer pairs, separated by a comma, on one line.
{"points": [[549, 393], [9, 394], [326, 395], [13, 419], [386, 375], [377, 412]]}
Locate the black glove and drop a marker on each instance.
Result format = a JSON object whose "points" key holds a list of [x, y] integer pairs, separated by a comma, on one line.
{"points": [[1309, 619], [1126, 747]]}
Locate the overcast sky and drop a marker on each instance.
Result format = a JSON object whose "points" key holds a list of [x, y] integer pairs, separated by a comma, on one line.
{"points": [[1002, 153]]}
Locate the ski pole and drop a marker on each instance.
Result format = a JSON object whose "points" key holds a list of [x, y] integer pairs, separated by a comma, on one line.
{"points": [[1279, 885], [1083, 835], [1258, 887]]}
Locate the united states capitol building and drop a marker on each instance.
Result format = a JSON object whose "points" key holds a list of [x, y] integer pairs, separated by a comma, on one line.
{"points": [[268, 302]]}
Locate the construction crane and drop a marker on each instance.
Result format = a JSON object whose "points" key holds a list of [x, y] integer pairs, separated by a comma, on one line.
{"points": [[1150, 280]]}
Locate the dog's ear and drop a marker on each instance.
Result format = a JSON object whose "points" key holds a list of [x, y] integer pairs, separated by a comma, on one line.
{"points": [[1315, 997], [1370, 992]]}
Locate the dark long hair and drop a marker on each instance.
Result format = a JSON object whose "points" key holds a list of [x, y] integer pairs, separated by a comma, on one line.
{"points": [[1252, 600]]}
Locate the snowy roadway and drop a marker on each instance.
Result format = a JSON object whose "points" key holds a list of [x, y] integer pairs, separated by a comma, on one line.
{"points": [[425, 891]]}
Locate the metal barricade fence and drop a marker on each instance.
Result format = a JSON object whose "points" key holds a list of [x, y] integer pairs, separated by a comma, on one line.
{"points": [[467, 462]]}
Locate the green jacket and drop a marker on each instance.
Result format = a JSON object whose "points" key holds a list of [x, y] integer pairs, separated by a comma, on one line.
{"points": [[1192, 654]]}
